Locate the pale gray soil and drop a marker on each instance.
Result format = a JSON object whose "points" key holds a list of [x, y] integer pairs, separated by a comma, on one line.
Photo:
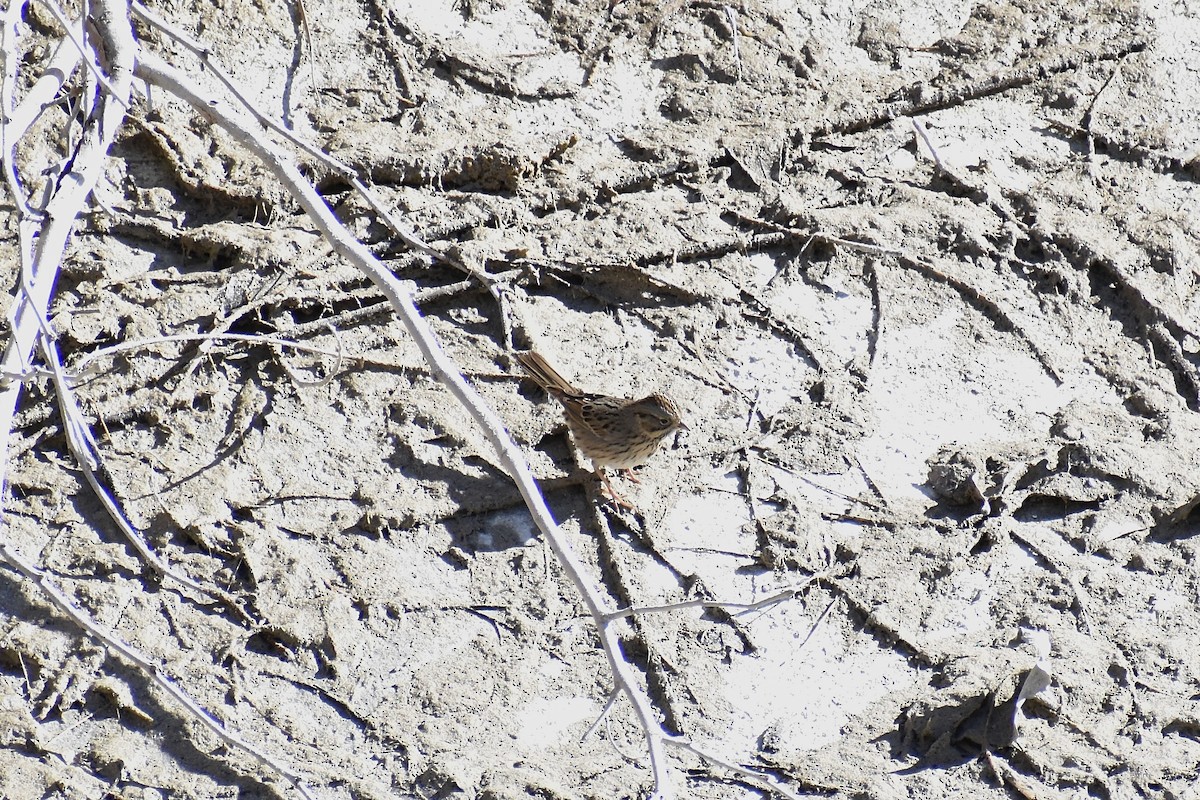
{"points": [[984, 421]]}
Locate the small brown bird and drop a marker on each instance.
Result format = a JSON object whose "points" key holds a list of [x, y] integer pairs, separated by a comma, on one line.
{"points": [[611, 431]]}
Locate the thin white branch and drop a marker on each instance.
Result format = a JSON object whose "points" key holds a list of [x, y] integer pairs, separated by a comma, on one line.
{"points": [[752, 777], [43, 94], [147, 666], [781, 596], [613, 696], [249, 135], [8, 91], [319, 382], [83, 447], [81, 367], [406, 234], [79, 436], [92, 64], [924, 134]]}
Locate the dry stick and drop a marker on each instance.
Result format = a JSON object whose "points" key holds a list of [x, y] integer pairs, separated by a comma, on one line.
{"points": [[138, 344], [937, 159], [754, 778], [156, 71], [93, 68], [340, 356], [79, 436], [608, 704], [790, 593], [1086, 122], [87, 454], [420, 297], [40, 97], [921, 98], [147, 666], [67, 196], [8, 90], [407, 235]]}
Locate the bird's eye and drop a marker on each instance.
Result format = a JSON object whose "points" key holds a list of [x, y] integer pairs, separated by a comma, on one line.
{"points": [[656, 423]]}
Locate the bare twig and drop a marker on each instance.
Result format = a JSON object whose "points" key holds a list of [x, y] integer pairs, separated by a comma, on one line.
{"points": [[72, 34], [924, 134], [82, 366], [154, 70], [754, 778], [8, 90], [406, 234], [87, 454], [42, 238], [781, 596], [148, 667]]}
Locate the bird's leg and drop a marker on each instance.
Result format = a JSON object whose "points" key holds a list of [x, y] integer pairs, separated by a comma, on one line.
{"points": [[618, 499], [629, 474]]}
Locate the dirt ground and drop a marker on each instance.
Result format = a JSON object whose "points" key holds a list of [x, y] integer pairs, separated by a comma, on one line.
{"points": [[923, 277]]}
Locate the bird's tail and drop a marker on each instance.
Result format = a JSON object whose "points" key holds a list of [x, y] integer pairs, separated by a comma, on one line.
{"points": [[540, 370]]}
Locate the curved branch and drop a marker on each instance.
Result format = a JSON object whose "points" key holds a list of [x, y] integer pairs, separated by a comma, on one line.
{"points": [[247, 133]]}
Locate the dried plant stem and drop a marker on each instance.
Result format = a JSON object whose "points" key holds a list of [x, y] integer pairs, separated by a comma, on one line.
{"points": [[43, 235], [147, 666], [762, 781], [406, 234], [81, 366], [156, 71], [781, 596]]}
